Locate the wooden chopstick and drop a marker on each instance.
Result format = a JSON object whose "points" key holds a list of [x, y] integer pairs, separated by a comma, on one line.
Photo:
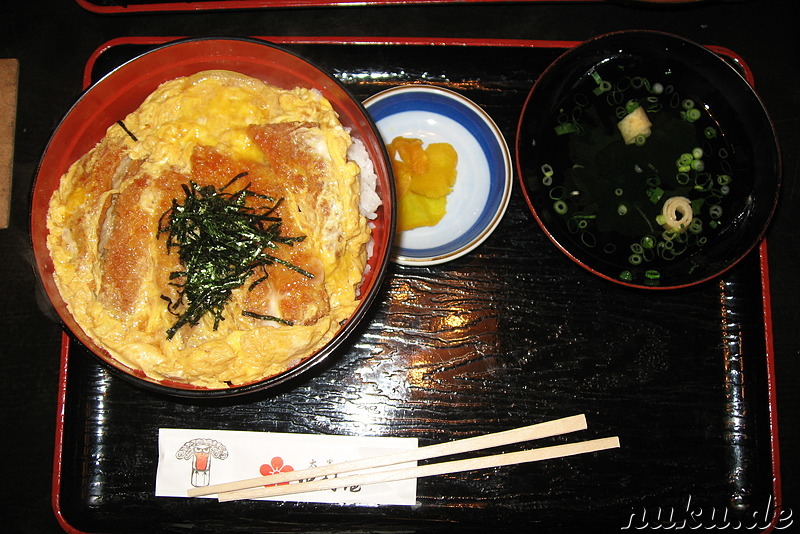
{"points": [[442, 468], [526, 433]]}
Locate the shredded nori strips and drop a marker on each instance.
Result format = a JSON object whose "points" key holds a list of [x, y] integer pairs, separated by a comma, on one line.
{"points": [[221, 242]]}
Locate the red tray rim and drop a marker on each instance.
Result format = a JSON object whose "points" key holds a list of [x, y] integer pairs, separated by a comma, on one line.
{"points": [[529, 43], [206, 5]]}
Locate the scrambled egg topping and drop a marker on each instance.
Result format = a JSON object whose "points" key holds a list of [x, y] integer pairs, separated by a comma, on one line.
{"points": [[115, 274]]}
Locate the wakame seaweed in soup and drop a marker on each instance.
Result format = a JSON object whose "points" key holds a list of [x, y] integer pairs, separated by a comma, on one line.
{"points": [[610, 195]]}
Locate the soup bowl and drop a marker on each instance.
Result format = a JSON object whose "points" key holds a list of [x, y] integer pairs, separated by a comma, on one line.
{"points": [[648, 159]]}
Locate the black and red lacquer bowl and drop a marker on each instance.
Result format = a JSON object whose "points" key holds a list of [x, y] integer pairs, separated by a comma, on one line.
{"points": [[121, 91], [711, 147]]}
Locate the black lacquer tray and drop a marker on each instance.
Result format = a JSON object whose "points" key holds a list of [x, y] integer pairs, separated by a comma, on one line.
{"points": [[514, 333]]}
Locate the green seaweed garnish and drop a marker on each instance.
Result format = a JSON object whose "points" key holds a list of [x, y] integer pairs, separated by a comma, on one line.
{"points": [[221, 242]]}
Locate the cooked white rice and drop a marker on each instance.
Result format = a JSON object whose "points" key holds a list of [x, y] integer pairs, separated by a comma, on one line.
{"points": [[370, 201]]}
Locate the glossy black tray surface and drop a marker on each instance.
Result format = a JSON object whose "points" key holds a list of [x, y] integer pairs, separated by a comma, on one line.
{"points": [[513, 333]]}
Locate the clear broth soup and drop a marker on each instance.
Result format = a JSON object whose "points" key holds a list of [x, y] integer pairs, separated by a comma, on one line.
{"points": [[610, 195]]}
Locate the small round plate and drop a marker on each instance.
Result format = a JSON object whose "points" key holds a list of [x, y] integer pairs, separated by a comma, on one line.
{"points": [[484, 171]]}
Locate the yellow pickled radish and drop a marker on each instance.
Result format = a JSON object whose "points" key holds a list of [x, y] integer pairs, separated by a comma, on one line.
{"points": [[411, 151], [402, 176], [440, 177], [415, 211], [423, 178]]}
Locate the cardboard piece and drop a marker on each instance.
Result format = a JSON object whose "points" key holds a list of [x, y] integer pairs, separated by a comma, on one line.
{"points": [[9, 81]]}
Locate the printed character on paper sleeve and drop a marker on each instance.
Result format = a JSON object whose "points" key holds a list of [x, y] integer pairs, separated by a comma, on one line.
{"points": [[200, 451]]}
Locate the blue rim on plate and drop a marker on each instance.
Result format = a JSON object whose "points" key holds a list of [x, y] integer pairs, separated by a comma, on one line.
{"points": [[484, 172]]}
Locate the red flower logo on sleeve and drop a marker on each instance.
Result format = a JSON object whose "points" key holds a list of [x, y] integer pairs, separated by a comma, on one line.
{"points": [[275, 466]]}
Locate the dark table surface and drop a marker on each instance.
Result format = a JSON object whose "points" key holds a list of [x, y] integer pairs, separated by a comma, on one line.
{"points": [[53, 40]]}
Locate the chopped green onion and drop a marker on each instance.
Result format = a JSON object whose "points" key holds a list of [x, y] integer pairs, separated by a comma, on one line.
{"points": [[653, 104], [668, 254], [703, 182], [557, 193], [566, 128], [626, 275], [602, 87], [687, 103], [652, 274], [655, 194], [560, 207], [622, 209], [614, 97], [653, 181], [572, 225], [710, 132], [685, 159]]}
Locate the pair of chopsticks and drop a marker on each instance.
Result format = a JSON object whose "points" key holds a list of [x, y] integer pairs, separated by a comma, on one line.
{"points": [[253, 488]]}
